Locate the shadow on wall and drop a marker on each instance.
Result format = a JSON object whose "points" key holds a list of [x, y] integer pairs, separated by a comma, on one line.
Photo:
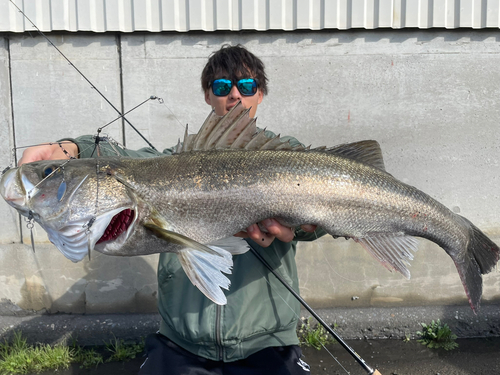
{"points": [[108, 296]]}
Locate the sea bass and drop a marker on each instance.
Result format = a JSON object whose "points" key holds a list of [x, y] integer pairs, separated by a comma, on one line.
{"points": [[227, 177]]}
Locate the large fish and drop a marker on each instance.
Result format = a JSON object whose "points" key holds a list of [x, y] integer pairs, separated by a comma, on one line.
{"points": [[226, 178]]}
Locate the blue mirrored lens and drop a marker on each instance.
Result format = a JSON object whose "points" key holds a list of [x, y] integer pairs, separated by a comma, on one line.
{"points": [[247, 86], [222, 87]]}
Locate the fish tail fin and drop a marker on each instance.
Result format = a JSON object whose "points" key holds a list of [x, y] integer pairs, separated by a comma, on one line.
{"points": [[481, 256], [205, 270]]}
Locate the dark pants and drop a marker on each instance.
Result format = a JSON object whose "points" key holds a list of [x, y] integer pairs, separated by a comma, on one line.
{"points": [[165, 357]]}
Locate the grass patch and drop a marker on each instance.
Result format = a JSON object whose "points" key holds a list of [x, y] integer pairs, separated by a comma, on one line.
{"points": [[437, 335], [314, 336], [17, 357], [20, 358], [87, 358], [123, 352]]}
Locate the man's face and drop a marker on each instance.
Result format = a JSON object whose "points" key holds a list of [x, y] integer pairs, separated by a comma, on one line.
{"points": [[222, 104]]}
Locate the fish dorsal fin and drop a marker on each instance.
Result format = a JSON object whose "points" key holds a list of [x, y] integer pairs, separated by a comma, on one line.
{"points": [[393, 250], [235, 130], [366, 152], [257, 141], [200, 138], [225, 123]]}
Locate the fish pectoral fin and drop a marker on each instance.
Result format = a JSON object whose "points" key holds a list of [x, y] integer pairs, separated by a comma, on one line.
{"points": [[179, 239], [393, 250], [204, 264]]}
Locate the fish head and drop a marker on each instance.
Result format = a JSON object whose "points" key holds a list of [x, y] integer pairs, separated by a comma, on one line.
{"points": [[79, 204]]}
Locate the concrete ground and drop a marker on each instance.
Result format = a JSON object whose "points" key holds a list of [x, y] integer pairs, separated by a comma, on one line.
{"points": [[376, 334], [389, 357], [362, 323]]}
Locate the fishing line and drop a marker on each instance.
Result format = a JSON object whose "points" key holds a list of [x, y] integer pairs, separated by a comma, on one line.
{"points": [[152, 97], [83, 76], [336, 273], [286, 303], [173, 114]]}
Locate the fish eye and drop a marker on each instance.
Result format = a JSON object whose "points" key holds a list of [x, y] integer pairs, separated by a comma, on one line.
{"points": [[47, 171]]}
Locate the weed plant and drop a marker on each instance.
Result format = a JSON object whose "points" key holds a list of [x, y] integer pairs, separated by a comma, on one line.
{"points": [[314, 336], [20, 358], [123, 352], [437, 335], [17, 357], [87, 358]]}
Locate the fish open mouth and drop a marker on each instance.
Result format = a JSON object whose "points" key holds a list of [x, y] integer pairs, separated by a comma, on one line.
{"points": [[118, 224]]}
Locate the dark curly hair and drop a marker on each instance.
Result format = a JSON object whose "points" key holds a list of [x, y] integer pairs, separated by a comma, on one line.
{"points": [[233, 62]]}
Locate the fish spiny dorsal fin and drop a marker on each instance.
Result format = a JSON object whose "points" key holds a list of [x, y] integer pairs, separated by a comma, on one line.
{"points": [[225, 122], [178, 148], [366, 152], [287, 146], [235, 129], [257, 141], [246, 134], [284, 146], [188, 140], [272, 143], [211, 121], [186, 144]]}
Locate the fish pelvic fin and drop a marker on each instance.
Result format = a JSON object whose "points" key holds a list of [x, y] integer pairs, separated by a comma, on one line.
{"points": [[235, 245], [393, 250], [366, 152], [204, 264], [481, 256]]}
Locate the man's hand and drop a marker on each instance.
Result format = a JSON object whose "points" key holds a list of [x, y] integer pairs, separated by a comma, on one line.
{"points": [[49, 152], [274, 229]]}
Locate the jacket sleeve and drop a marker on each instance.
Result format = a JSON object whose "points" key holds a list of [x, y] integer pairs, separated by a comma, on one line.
{"points": [[87, 148]]}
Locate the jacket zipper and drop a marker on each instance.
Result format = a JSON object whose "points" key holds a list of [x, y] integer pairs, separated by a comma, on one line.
{"points": [[218, 339]]}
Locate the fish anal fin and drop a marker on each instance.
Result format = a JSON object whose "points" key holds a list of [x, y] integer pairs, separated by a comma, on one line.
{"points": [[366, 152], [393, 250]]}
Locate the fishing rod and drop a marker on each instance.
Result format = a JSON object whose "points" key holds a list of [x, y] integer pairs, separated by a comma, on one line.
{"points": [[350, 350], [121, 115]]}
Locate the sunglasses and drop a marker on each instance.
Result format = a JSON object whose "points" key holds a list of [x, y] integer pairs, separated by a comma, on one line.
{"points": [[246, 86]]}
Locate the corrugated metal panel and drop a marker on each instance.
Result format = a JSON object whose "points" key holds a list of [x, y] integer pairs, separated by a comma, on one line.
{"points": [[211, 15]]}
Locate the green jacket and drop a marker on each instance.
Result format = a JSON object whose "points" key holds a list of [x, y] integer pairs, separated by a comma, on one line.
{"points": [[260, 311]]}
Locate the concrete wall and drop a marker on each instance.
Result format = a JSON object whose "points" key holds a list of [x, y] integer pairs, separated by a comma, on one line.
{"points": [[429, 97]]}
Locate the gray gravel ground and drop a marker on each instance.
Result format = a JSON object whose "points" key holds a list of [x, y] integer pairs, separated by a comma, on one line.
{"points": [[375, 333], [389, 357]]}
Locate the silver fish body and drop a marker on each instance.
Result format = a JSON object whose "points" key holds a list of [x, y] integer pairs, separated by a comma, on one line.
{"points": [[197, 197]]}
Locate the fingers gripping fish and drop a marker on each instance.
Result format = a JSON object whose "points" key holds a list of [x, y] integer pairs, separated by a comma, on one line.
{"points": [[227, 177]]}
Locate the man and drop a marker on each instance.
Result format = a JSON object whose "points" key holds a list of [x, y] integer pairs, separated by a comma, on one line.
{"points": [[255, 333]]}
